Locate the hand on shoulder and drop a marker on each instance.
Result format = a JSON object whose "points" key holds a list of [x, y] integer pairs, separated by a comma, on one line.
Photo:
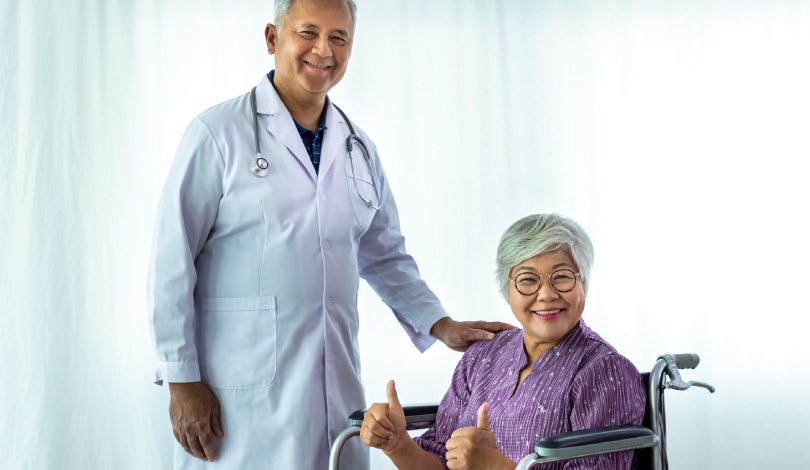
{"points": [[459, 336]]}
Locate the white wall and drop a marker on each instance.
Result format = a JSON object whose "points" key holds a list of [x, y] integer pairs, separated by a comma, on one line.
{"points": [[676, 132]]}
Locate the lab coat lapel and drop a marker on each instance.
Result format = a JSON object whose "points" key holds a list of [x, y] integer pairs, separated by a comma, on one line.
{"points": [[334, 142], [283, 128], [281, 124]]}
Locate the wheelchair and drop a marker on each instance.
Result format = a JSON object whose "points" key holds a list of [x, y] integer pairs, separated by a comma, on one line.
{"points": [[648, 440]]}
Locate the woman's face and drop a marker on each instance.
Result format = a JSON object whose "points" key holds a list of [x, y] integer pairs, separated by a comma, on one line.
{"points": [[547, 315]]}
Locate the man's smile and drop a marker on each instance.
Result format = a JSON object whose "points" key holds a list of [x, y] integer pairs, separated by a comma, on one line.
{"points": [[324, 67]]}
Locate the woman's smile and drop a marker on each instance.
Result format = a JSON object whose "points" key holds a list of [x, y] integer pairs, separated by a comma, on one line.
{"points": [[549, 314]]}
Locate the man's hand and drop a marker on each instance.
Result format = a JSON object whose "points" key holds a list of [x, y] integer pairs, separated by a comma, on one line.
{"points": [[384, 424], [194, 411], [459, 336], [475, 449]]}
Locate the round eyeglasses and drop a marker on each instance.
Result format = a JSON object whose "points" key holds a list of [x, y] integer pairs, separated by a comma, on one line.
{"points": [[562, 280]]}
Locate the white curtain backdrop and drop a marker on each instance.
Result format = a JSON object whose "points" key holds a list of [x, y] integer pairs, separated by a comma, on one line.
{"points": [[675, 132]]}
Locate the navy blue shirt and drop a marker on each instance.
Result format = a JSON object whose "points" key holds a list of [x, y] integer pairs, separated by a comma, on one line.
{"points": [[312, 139]]}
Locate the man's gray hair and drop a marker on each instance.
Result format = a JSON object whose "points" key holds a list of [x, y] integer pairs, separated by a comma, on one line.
{"points": [[543, 233], [282, 7]]}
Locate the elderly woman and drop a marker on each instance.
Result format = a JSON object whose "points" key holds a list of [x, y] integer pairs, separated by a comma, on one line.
{"points": [[555, 375]]}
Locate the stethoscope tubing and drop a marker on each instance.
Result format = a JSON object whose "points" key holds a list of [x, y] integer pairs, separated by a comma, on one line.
{"points": [[255, 120], [259, 165]]}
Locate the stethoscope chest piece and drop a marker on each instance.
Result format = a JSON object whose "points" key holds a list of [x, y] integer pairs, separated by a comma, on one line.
{"points": [[259, 166]]}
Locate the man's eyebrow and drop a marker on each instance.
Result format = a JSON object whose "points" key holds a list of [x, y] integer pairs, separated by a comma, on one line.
{"points": [[309, 26], [342, 32]]}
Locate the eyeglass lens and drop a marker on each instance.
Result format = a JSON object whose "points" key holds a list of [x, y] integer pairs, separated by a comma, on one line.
{"points": [[563, 280]]}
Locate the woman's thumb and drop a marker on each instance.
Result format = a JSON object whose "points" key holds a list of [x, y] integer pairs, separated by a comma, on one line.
{"points": [[483, 419], [393, 400]]}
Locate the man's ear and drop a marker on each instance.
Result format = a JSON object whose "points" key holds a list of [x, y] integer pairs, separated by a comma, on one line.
{"points": [[270, 36]]}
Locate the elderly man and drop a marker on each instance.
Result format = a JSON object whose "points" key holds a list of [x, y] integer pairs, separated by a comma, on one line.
{"points": [[264, 226]]}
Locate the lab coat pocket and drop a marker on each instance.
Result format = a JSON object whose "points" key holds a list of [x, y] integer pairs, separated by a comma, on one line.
{"points": [[365, 185], [238, 337]]}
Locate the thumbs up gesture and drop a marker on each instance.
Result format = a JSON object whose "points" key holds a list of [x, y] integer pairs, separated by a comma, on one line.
{"points": [[483, 419], [474, 448], [384, 424]]}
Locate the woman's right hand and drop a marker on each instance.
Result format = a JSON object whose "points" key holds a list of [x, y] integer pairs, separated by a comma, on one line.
{"points": [[384, 424]]}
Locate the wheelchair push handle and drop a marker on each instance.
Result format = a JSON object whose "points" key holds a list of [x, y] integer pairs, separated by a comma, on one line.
{"points": [[675, 362], [686, 361]]}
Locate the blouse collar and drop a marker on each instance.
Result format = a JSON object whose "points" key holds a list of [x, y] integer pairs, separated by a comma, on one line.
{"points": [[563, 348]]}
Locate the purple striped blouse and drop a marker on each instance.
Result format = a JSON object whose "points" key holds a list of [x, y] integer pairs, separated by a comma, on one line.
{"points": [[580, 383]]}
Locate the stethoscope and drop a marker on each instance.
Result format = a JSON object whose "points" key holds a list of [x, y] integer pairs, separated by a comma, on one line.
{"points": [[258, 165]]}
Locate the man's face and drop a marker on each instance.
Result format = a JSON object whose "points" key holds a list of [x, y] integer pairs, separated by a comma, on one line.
{"points": [[313, 45]]}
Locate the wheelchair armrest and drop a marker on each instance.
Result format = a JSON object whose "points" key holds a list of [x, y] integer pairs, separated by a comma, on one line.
{"points": [[423, 413], [596, 441]]}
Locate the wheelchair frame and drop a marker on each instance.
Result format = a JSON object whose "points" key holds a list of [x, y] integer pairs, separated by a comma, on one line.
{"points": [[651, 434]]}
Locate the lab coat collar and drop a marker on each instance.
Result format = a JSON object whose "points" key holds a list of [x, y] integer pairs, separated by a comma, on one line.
{"points": [[334, 139], [283, 128]]}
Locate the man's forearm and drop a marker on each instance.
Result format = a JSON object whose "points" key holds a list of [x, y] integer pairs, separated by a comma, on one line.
{"points": [[413, 457]]}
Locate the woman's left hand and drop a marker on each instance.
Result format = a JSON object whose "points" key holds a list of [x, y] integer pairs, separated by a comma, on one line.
{"points": [[475, 449]]}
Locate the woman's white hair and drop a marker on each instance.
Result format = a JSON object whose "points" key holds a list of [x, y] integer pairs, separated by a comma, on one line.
{"points": [[543, 233], [282, 7]]}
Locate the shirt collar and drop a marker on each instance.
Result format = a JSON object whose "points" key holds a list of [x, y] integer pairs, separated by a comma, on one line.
{"points": [[563, 348], [321, 121]]}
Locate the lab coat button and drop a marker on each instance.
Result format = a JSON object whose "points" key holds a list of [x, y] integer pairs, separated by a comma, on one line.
{"points": [[327, 244], [320, 191], [329, 302]]}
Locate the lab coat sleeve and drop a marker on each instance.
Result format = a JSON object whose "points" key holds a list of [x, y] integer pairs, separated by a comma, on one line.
{"points": [[393, 273], [186, 212]]}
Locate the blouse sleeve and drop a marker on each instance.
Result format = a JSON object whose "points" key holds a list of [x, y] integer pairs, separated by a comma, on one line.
{"points": [[608, 392], [453, 404]]}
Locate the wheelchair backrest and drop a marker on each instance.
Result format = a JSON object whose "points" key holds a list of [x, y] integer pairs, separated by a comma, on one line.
{"points": [[642, 458]]}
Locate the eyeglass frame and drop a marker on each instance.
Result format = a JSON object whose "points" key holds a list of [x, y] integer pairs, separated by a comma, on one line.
{"points": [[540, 284]]}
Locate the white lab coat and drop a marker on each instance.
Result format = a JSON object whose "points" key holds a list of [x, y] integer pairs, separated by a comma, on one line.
{"points": [[253, 282]]}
